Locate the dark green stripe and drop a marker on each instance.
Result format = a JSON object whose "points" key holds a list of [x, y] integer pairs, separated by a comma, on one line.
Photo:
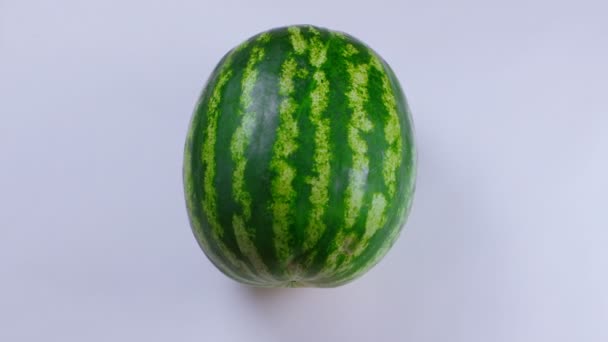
{"points": [[376, 141], [303, 158], [341, 162], [399, 206], [194, 170], [258, 174], [409, 157], [227, 124], [347, 243]]}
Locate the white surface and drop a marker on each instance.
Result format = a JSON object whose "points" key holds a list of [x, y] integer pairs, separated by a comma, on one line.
{"points": [[507, 240]]}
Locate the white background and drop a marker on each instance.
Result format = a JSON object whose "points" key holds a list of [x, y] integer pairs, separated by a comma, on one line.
{"points": [[507, 240]]}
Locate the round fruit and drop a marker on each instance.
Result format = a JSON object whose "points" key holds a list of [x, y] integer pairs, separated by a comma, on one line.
{"points": [[299, 165]]}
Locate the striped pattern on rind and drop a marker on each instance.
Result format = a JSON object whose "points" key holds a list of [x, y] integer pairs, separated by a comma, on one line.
{"points": [[299, 164]]}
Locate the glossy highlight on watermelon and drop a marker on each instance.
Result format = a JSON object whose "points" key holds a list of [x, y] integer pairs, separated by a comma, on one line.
{"points": [[299, 165]]}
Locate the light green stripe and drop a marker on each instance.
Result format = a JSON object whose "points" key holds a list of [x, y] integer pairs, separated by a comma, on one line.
{"points": [[210, 196], [189, 179], [388, 242], [242, 135], [319, 182], [264, 37], [283, 194], [349, 50], [247, 247], [209, 203], [319, 196], [357, 97], [392, 131], [355, 191], [238, 145], [348, 247], [297, 41], [288, 71], [282, 191], [345, 243], [392, 160], [339, 34], [375, 219], [318, 51]]}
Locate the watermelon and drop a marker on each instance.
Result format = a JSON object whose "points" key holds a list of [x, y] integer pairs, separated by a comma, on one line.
{"points": [[299, 163]]}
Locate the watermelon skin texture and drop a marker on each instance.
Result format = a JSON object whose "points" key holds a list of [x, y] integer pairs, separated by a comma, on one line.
{"points": [[300, 163]]}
